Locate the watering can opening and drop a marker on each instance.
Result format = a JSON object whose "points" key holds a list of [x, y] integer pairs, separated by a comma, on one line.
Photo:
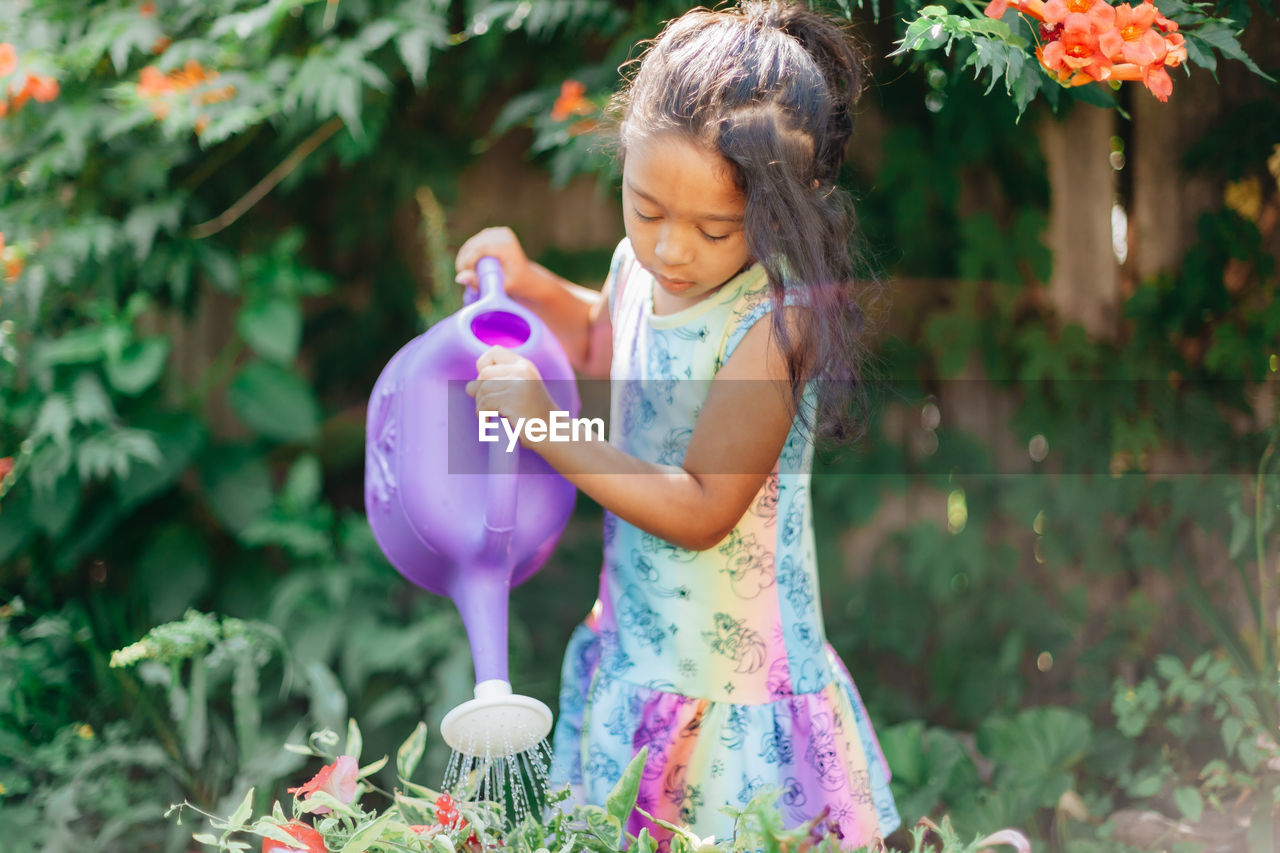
{"points": [[501, 328]]}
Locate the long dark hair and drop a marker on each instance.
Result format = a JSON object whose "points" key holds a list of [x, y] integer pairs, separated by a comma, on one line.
{"points": [[770, 86]]}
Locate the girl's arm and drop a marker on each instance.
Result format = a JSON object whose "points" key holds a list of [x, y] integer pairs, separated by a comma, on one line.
{"points": [[578, 316], [736, 441]]}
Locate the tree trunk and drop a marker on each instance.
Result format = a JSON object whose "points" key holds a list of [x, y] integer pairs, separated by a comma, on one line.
{"points": [[1084, 287]]}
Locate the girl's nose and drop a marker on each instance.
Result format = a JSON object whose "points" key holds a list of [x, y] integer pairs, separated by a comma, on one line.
{"points": [[671, 248]]}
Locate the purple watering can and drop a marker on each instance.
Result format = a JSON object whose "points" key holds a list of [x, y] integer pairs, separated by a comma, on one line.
{"points": [[464, 518]]}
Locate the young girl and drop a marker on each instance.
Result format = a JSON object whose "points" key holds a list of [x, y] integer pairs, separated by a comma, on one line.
{"points": [[706, 643]]}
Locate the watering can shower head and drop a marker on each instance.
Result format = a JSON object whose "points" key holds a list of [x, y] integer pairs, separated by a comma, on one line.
{"points": [[463, 518], [496, 723]]}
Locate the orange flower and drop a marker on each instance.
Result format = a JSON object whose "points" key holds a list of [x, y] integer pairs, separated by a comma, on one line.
{"points": [[8, 59], [192, 74], [997, 8], [12, 263], [1164, 24], [571, 101], [1132, 39], [147, 9], [160, 45], [1176, 50], [4, 108], [13, 266], [20, 94], [1096, 14], [43, 89], [1076, 50], [6, 466], [1159, 83], [217, 96], [152, 82]]}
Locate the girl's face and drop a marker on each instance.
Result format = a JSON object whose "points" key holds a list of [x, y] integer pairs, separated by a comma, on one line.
{"points": [[683, 214]]}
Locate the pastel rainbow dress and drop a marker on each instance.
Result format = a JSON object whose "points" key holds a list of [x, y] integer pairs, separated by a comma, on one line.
{"points": [[716, 660]]}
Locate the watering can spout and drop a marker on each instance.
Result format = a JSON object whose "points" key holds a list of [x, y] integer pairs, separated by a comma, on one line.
{"points": [[500, 505]]}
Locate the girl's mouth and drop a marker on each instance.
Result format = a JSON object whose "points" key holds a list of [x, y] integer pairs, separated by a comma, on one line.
{"points": [[673, 283]]}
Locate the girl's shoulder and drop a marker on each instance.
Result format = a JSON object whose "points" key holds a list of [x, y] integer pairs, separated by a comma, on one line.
{"points": [[622, 268]]}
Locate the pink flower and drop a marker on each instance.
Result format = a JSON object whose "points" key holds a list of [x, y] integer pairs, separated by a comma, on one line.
{"points": [[337, 779]]}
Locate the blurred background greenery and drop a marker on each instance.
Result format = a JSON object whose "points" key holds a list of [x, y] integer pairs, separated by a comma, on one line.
{"points": [[1051, 566]]}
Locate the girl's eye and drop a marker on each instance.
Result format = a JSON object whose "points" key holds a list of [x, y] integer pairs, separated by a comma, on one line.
{"points": [[644, 218], [715, 239]]}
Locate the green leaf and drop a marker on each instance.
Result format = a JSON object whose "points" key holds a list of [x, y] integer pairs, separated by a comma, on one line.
{"points": [[174, 567], [328, 701], [1147, 784], [1036, 750], [354, 742], [371, 768], [410, 752], [360, 840], [241, 814], [138, 366], [275, 402], [645, 842], [1218, 35], [272, 328], [195, 722], [144, 221], [1189, 803], [52, 509], [302, 486], [206, 838], [237, 485], [622, 799], [414, 47], [1232, 728]]}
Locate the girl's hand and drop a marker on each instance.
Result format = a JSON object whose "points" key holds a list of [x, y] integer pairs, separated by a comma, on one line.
{"points": [[511, 386], [502, 244]]}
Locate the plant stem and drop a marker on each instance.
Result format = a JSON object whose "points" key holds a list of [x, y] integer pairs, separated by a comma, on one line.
{"points": [[268, 183]]}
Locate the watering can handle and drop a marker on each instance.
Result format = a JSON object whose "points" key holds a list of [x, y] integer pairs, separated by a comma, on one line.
{"points": [[500, 503], [489, 273]]}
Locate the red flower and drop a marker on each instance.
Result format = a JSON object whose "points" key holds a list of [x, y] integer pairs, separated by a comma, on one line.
{"points": [[447, 813], [6, 464], [8, 59], [309, 841], [337, 779], [147, 9]]}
